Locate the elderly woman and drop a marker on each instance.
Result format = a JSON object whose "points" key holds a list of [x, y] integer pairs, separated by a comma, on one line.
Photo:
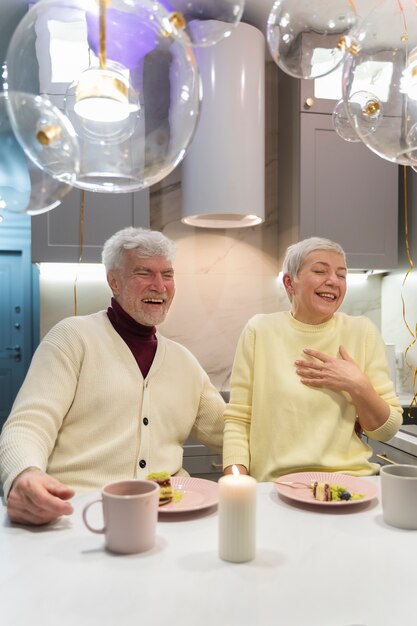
{"points": [[305, 380]]}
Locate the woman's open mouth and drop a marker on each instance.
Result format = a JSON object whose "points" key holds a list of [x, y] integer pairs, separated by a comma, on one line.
{"points": [[327, 296]]}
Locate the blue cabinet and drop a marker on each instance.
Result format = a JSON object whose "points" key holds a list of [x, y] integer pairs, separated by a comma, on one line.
{"points": [[19, 334]]}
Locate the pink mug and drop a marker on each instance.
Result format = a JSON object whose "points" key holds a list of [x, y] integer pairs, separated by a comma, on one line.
{"points": [[130, 513]]}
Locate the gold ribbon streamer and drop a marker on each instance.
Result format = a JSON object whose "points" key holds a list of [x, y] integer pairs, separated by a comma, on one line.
{"points": [[353, 7], [411, 266], [102, 56], [80, 258], [404, 37]]}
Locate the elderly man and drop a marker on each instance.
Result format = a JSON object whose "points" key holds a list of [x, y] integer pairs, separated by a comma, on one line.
{"points": [[106, 396]]}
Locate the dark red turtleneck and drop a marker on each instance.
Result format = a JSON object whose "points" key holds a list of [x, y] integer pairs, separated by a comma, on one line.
{"points": [[141, 339]]}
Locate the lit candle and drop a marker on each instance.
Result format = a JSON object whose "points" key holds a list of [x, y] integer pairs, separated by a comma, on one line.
{"points": [[237, 517]]}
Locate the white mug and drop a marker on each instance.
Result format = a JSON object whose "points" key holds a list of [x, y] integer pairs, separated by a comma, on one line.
{"points": [[399, 495], [130, 512]]}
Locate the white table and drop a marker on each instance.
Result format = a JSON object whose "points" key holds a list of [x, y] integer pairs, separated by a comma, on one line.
{"points": [[314, 567]]}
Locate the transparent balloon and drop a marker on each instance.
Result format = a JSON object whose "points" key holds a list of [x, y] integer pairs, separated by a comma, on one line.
{"points": [[307, 38], [205, 21], [411, 355], [128, 92], [342, 124], [365, 112], [45, 134], [380, 83], [24, 187]]}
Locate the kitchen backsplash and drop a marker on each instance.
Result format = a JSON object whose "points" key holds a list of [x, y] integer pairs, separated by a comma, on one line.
{"points": [[400, 289], [222, 280]]}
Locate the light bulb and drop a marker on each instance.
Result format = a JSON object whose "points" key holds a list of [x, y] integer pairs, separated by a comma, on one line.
{"points": [[102, 96], [101, 109], [102, 105]]}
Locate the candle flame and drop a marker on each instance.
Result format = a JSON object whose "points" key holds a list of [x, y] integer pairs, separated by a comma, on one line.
{"points": [[235, 471]]}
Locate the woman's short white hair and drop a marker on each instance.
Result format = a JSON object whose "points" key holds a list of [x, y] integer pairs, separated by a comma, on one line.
{"points": [[149, 243], [296, 254]]}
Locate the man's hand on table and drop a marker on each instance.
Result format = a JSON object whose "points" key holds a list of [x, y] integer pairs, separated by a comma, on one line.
{"points": [[37, 498]]}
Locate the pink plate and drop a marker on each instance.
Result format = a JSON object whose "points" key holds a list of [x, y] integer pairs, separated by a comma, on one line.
{"points": [[197, 493], [305, 494]]}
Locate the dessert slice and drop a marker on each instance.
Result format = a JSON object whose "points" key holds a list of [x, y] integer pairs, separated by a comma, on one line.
{"points": [[328, 492], [164, 481]]}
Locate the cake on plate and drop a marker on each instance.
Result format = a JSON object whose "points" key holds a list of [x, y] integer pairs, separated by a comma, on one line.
{"points": [[164, 481], [331, 492]]}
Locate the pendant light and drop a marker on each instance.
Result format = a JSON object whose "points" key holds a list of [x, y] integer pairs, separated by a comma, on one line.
{"points": [[223, 172], [116, 90], [102, 94]]}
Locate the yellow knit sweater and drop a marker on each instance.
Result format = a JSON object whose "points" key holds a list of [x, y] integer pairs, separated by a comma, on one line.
{"points": [[86, 415], [275, 425]]}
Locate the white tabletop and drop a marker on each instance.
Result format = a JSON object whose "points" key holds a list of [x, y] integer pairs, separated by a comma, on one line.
{"points": [[315, 566]]}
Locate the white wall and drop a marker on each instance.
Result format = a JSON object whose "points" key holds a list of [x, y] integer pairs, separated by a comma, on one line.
{"points": [[398, 290]]}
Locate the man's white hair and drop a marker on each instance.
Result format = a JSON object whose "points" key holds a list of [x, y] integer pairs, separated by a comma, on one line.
{"points": [[149, 243]]}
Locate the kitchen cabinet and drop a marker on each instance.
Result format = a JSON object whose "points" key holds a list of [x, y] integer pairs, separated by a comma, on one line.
{"points": [[320, 95], [330, 187], [56, 234], [18, 311], [201, 462], [400, 449], [411, 180]]}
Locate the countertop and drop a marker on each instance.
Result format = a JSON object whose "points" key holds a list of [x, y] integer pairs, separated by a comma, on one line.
{"points": [[315, 566]]}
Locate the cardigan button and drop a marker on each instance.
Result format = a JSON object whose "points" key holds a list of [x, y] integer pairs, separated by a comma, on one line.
{"points": [[145, 421], [142, 463]]}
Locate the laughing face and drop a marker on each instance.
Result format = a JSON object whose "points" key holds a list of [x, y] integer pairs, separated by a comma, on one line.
{"points": [[319, 288], [144, 287]]}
